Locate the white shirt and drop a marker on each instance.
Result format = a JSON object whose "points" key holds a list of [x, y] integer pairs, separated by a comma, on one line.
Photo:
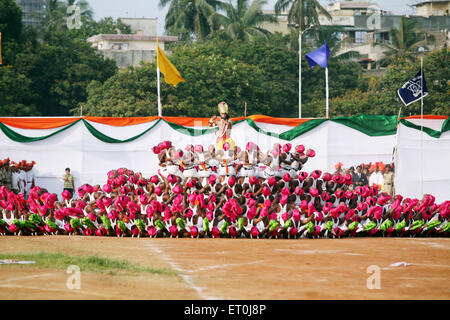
{"points": [[15, 180], [29, 176], [22, 181], [376, 178]]}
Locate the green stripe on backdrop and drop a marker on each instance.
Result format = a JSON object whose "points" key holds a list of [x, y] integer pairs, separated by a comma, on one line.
{"points": [[17, 137], [102, 137], [429, 131], [371, 125]]}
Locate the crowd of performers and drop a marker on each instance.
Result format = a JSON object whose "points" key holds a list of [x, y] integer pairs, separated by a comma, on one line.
{"points": [[228, 193]]}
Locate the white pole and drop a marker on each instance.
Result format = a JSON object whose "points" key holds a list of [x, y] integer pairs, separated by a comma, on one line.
{"points": [[421, 123], [300, 74], [159, 94], [326, 89], [157, 76]]}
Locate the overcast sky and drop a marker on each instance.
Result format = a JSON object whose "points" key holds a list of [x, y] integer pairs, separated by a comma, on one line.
{"points": [[151, 9]]}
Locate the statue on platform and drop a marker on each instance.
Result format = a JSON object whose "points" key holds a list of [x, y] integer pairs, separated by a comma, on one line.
{"points": [[224, 125]]}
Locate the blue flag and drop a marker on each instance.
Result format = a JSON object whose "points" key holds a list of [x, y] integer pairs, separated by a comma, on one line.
{"points": [[411, 91], [319, 56]]}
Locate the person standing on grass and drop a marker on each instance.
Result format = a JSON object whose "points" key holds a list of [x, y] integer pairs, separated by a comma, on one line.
{"points": [[69, 184]]}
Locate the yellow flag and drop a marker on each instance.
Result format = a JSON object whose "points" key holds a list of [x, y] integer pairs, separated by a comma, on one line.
{"points": [[0, 48], [171, 74]]}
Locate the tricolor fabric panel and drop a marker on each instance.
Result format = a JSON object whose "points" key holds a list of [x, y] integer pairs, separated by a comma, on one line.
{"points": [[91, 146]]}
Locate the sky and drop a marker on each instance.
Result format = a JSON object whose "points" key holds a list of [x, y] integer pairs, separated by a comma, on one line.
{"points": [[151, 9]]}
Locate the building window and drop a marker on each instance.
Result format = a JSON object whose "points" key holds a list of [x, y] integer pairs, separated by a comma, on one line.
{"points": [[119, 46], [360, 36]]}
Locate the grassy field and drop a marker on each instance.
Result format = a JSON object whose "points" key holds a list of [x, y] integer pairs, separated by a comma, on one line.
{"points": [[92, 263]]}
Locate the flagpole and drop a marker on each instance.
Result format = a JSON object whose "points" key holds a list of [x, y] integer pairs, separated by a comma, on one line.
{"points": [[326, 89], [300, 74], [158, 77], [421, 121]]}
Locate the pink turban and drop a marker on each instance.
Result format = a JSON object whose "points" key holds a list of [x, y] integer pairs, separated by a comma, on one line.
{"points": [[300, 148], [143, 199], [271, 181], [314, 192], [298, 191], [231, 181], [151, 231], [154, 179], [66, 195], [304, 205], [172, 179], [176, 189], [286, 177], [198, 148], [285, 191], [311, 153], [215, 232], [316, 174], [253, 180], [249, 146], [188, 213], [156, 150], [296, 215], [194, 232], [325, 196], [326, 177], [212, 179], [158, 191], [254, 232], [287, 147], [173, 230], [302, 175]]}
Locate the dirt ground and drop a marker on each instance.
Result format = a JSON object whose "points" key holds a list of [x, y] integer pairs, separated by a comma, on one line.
{"points": [[237, 269]]}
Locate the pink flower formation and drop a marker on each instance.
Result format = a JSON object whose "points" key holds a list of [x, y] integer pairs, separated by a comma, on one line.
{"points": [[289, 204]]}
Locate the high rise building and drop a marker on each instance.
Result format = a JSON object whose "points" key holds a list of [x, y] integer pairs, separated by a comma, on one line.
{"points": [[32, 11]]}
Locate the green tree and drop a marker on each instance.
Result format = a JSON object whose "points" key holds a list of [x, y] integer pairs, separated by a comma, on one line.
{"points": [[15, 94], [90, 27], [10, 21], [304, 13], [243, 21], [61, 71], [187, 18], [405, 42]]}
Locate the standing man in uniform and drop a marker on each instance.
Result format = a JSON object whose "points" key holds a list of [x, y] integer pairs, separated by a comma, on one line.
{"points": [[22, 178], [69, 184], [15, 178], [8, 175], [2, 173], [29, 178], [388, 181]]}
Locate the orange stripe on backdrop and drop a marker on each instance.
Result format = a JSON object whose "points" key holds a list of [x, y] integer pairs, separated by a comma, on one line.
{"points": [[38, 123], [426, 117], [121, 122], [292, 122]]}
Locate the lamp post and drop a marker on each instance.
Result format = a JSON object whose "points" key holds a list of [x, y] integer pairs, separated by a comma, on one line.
{"points": [[421, 51], [300, 34]]}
